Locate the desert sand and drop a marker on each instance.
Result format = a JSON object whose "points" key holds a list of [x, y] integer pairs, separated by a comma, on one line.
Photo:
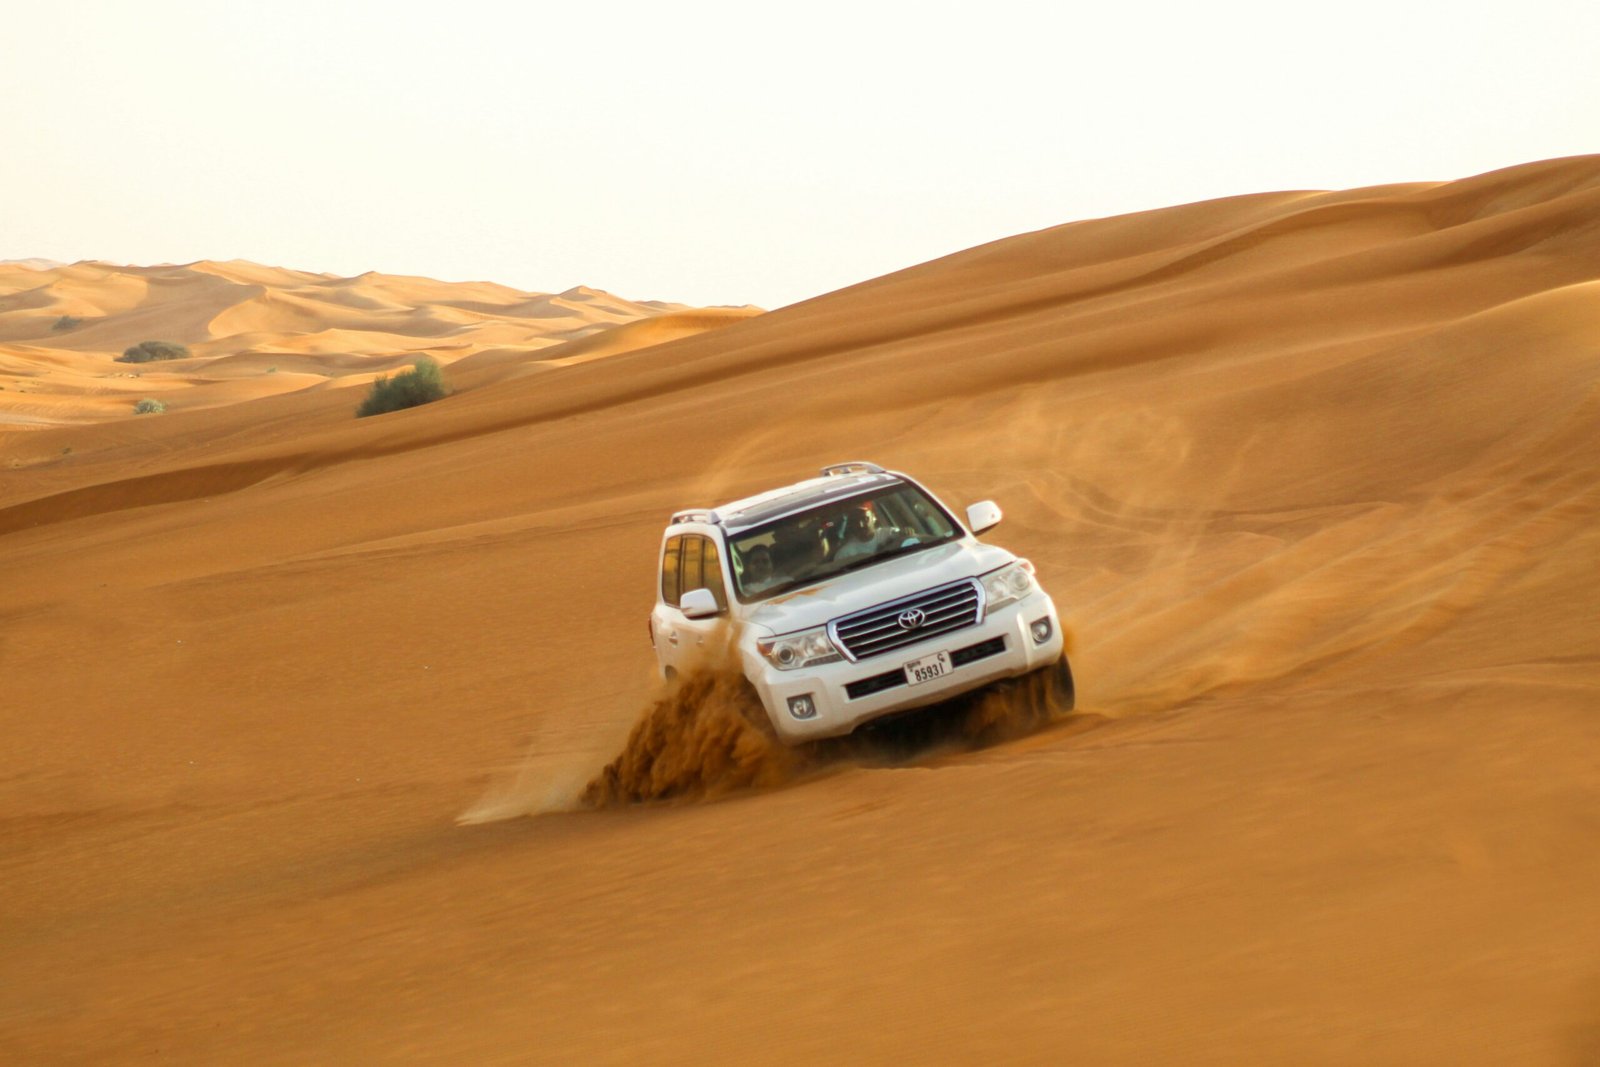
{"points": [[1314, 477], [255, 331]]}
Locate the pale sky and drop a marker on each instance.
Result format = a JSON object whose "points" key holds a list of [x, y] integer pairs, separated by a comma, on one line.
{"points": [[730, 153]]}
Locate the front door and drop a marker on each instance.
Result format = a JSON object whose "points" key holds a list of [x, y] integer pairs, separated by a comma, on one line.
{"points": [[688, 562]]}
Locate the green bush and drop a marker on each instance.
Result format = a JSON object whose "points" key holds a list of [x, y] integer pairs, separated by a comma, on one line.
{"points": [[67, 322], [150, 351], [422, 384], [149, 407]]}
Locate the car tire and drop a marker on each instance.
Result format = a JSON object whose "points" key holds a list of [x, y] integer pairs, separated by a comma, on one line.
{"points": [[1062, 689]]}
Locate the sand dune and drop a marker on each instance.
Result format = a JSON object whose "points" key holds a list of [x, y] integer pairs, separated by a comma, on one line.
{"points": [[1312, 475], [62, 327]]}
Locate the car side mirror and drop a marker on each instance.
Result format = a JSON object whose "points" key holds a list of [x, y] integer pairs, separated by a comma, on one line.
{"points": [[698, 604], [982, 515]]}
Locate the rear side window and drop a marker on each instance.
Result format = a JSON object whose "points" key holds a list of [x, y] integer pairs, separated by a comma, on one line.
{"points": [[670, 588], [711, 573], [691, 563]]}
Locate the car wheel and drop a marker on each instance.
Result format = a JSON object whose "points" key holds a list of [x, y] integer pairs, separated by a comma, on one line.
{"points": [[1062, 689]]}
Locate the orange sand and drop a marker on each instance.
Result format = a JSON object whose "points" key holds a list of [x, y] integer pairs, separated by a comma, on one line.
{"points": [[257, 331], [1313, 476]]}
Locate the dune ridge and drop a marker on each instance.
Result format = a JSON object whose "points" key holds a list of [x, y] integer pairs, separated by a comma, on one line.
{"points": [[258, 331], [1311, 475]]}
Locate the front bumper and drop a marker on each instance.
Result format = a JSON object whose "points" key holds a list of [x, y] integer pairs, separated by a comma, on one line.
{"points": [[845, 695]]}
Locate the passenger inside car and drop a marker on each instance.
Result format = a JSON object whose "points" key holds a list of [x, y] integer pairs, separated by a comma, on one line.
{"points": [[758, 575], [798, 549]]}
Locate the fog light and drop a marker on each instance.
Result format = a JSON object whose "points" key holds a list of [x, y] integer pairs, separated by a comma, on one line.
{"points": [[803, 707], [1041, 630]]}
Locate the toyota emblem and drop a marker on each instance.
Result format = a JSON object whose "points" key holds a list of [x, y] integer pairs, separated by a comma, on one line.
{"points": [[910, 620]]}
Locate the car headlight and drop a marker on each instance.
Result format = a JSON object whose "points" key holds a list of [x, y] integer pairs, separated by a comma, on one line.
{"points": [[1008, 584], [807, 648]]}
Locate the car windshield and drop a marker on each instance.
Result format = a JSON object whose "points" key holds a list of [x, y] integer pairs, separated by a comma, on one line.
{"points": [[839, 536]]}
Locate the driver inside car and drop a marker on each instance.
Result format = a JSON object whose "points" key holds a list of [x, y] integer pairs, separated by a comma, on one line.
{"points": [[862, 536]]}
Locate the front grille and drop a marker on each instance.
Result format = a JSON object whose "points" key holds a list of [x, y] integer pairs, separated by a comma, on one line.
{"points": [[878, 629], [959, 658]]}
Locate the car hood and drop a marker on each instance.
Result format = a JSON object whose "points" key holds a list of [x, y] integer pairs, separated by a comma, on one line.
{"points": [[814, 605]]}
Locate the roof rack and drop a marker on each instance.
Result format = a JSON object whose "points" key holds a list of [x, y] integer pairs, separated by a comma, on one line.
{"points": [[696, 515], [856, 466]]}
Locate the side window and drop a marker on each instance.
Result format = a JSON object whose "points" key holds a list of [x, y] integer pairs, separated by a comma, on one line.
{"points": [[670, 589], [712, 574], [691, 562]]}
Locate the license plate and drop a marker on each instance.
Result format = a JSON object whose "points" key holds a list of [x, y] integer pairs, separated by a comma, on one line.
{"points": [[928, 668]]}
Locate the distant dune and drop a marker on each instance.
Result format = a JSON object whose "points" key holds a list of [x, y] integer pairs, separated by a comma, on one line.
{"points": [[30, 264], [259, 331], [1314, 478]]}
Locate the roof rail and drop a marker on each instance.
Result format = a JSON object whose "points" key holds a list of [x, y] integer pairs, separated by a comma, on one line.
{"points": [[855, 466], [696, 515]]}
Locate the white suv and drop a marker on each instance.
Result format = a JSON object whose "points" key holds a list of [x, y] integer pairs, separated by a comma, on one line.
{"points": [[850, 597]]}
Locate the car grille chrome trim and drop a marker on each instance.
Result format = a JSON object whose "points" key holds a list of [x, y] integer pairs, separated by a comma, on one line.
{"points": [[879, 629]]}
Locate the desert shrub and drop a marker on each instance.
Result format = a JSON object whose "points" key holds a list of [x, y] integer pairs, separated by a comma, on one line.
{"points": [[67, 322], [422, 384], [148, 406], [149, 351]]}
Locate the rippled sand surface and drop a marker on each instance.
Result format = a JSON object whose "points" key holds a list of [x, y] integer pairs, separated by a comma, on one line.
{"points": [[1313, 477]]}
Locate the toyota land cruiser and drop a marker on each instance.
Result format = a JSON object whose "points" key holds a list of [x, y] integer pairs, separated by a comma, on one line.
{"points": [[849, 597]]}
